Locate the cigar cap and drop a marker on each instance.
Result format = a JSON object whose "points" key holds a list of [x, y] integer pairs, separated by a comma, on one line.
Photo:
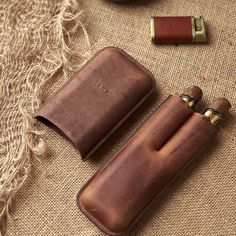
{"points": [[193, 92], [221, 105]]}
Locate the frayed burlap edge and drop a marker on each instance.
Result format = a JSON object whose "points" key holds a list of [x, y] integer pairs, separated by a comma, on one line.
{"points": [[36, 42]]}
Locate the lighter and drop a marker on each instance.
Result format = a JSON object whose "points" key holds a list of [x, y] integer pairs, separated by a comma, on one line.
{"points": [[178, 29]]}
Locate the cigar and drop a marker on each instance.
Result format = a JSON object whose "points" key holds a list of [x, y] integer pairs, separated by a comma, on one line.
{"points": [[192, 95], [216, 111], [172, 114]]}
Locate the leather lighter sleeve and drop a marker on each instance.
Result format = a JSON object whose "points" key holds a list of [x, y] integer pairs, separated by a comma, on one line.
{"points": [[98, 99], [173, 29], [178, 29], [118, 194]]}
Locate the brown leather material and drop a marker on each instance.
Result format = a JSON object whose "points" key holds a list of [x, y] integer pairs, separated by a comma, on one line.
{"points": [[98, 99], [117, 195], [173, 29]]}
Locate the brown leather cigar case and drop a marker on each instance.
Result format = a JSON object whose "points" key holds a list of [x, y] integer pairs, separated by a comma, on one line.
{"points": [[177, 29], [118, 194], [98, 99]]}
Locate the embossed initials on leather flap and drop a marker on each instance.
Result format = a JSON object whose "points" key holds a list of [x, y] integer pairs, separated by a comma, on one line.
{"points": [[100, 85]]}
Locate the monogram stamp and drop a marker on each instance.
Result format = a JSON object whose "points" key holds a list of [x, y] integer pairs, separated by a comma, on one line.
{"points": [[101, 86]]}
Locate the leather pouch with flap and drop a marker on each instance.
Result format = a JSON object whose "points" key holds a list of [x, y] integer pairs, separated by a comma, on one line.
{"points": [[88, 108]]}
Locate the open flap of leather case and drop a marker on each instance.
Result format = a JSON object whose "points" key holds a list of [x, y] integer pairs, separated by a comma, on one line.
{"points": [[88, 108]]}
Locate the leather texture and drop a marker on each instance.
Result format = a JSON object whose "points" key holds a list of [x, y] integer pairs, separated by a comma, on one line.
{"points": [[117, 195], [173, 29], [98, 99]]}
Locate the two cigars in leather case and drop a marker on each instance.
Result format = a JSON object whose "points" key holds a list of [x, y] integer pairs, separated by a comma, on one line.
{"points": [[95, 102], [120, 192]]}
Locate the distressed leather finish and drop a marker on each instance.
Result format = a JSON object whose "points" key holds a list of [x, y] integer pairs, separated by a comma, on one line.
{"points": [[118, 193], [173, 29], [98, 99]]}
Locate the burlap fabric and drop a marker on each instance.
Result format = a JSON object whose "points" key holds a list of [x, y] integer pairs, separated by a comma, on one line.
{"points": [[202, 199], [35, 45]]}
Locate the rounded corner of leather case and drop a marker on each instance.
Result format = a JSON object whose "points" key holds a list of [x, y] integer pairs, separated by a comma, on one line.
{"points": [[112, 49], [149, 74], [153, 82], [82, 207], [78, 200]]}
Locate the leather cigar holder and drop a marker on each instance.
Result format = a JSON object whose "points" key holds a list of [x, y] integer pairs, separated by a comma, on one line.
{"points": [[117, 195], [88, 108]]}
